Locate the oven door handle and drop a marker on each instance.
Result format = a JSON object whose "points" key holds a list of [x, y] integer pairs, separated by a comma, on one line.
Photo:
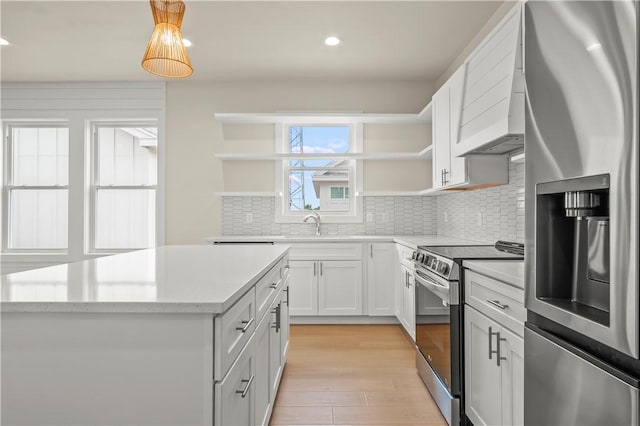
{"points": [[443, 292]]}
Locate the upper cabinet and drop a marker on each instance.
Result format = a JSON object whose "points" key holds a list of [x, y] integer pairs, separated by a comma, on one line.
{"points": [[491, 114], [450, 171]]}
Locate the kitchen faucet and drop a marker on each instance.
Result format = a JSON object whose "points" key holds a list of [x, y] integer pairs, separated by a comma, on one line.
{"points": [[316, 218]]}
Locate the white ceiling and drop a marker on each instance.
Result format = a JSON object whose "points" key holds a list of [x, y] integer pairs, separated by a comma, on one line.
{"points": [[241, 40]]}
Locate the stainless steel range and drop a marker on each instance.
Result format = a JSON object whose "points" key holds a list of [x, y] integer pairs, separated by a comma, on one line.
{"points": [[440, 339]]}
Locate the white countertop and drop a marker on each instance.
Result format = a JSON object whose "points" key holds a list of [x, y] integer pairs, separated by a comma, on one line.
{"points": [[169, 279], [509, 271], [408, 240]]}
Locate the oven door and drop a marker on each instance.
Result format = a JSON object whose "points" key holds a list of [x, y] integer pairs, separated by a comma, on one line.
{"points": [[438, 336]]}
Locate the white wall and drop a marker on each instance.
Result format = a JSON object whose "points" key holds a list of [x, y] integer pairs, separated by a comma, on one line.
{"points": [[193, 173]]}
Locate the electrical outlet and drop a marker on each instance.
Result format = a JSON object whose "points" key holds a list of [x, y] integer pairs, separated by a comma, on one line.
{"points": [[369, 217], [249, 218], [385, 217], [446, 216], [479, 218]]}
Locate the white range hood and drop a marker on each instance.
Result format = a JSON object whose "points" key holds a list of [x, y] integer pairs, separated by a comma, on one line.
{"points": [[492, 116]]}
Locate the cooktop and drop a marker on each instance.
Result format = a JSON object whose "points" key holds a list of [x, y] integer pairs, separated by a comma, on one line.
{"points": [[471, 252]]}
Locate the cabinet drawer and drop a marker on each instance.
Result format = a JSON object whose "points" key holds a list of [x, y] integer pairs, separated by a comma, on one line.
{"points": [[500, 301], [233, 396], [326, 251], [266, 290], [232, 331]]}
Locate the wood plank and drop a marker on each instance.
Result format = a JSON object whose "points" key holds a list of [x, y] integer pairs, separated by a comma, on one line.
{"points": [[321, 399], [388, 415], [301, 415]]}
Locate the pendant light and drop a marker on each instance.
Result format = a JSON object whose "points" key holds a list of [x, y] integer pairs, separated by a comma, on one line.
{"points": [[166, 55]]}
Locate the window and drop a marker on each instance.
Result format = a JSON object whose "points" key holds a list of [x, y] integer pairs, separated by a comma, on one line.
{"points": [[320, 172], [124, 184], [37, 192], [339, 192]]}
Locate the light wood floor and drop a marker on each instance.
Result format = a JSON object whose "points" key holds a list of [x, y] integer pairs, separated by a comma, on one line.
{"points": [[352, 375]]}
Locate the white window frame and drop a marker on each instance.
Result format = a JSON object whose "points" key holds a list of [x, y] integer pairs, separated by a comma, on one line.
{"points": [[94, 187], [6, 158], [282, 212]]}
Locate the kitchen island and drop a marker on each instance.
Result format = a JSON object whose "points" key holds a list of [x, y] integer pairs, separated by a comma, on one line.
{"points": [[172, 335]]}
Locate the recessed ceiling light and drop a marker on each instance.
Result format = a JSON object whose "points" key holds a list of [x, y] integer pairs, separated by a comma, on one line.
{"points": [[332, 41], [3, 42], [187, 42]]}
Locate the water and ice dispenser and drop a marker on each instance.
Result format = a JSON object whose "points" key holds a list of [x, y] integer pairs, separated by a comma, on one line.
{"points": [[572, 247]]}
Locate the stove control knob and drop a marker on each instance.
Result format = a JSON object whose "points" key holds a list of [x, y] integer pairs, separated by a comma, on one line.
{"points": [[419, 257], [444, 268], [414, 255]]}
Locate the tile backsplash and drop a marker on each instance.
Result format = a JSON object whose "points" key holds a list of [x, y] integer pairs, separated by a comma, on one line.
{"points": [[484, 215], [391, 216]]}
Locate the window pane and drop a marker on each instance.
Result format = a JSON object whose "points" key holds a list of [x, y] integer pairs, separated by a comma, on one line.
{"points": [[337, 192], [38, 219], [127, 156], [311, 189], [125, 218], [40, 155], [317, 140]]}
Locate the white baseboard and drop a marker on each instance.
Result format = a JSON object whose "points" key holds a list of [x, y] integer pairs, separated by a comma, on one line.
{"points": [[343, 320]]}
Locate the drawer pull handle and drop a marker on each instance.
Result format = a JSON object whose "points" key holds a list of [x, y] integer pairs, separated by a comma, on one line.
{"points": [[273, 286], [287, 267], [497, 304], [247, 324], [243, 393]]}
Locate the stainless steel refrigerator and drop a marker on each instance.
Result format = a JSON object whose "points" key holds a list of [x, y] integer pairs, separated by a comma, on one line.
{"points": [[582, 354]]}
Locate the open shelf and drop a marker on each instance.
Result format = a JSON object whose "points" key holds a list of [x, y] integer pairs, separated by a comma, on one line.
{"points": [[317, 118], [424, 154]]}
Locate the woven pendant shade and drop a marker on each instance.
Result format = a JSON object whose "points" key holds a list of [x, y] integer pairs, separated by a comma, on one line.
{"points": [[166, 55]]}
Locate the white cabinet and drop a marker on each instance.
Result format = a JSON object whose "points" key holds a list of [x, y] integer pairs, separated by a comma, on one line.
{"points": [[271, 346], [380, 279], [234, 395], [326, 279], [246, 394], [447, 169], [408, 316], [262, 386], [405, 290], [450, 171], [303, 287], [494, 353], [339, 287], [483, 375]]}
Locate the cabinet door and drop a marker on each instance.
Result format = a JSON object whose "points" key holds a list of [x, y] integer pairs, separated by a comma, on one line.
{"points": [[483, 401], [441, 129], [274, 347], [234, 395], [340, 287], [457, 172], [262, 385], [284, 324], [399, 281], [303, 287], [409, 305], [512, 348], [380, 279]]}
